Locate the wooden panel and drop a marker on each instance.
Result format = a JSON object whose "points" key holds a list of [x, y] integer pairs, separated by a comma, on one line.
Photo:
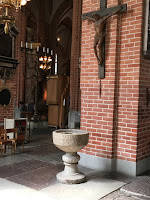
{"points": [[53, 115], [52, 90], [55, 86]]}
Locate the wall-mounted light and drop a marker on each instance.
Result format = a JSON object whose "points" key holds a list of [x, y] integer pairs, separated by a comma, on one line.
{"points": [[58, 39]]}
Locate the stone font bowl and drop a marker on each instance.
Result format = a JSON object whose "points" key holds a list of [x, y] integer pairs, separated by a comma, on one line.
{"points": [[70, 140]]}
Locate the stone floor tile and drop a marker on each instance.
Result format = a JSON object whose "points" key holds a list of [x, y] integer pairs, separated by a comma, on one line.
{"points": [[139, 187], [126, 198], [54, 158], [112, 196], [9, 159], [42, 150], [107, 175], [91, 190], [118, 177], [10, 190], [20, 168], [117, 195], [38, 178]]}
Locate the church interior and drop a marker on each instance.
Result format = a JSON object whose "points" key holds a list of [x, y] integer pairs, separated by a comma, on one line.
{"points": [[80, 68], [34, 47]]}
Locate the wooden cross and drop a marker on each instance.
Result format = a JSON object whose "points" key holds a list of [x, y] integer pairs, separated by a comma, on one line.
{"points": [[104, 11]]}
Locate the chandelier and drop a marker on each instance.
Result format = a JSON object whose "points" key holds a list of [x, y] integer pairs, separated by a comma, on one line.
{"points": [[45, 62], [6, 19]]}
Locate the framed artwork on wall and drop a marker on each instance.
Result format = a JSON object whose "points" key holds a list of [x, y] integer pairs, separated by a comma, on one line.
{"points": [[146, 39], [7, 47]]}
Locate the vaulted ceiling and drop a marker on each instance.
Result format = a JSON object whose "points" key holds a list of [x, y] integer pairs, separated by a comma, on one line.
{"points": [[52, 18], [48, 20]]}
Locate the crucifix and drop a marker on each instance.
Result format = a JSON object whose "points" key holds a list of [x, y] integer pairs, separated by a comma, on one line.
{"points": [[100, 18]]}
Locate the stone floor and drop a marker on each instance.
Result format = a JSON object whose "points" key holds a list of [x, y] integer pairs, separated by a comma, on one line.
{"points": [[32, 175]]}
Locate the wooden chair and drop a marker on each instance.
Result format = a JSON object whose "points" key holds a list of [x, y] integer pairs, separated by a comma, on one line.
{"points": [[17, 138], [4, 140]]}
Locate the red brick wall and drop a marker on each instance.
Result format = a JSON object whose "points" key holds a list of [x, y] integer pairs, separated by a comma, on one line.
{"points": [[16, 83], [8, 111], [112, 119]]}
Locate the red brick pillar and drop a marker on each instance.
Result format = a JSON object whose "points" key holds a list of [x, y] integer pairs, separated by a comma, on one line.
{"points": [[16, 83], [75, 56], [21, 24], [118, 121]]}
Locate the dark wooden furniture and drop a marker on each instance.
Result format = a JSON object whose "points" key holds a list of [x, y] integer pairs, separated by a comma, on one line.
{"points": [[1, 126], [17, 138], [57, 88], [4, 141], [19, 123]]}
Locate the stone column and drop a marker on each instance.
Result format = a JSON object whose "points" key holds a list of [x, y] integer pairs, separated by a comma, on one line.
{"points": [[74, 114]]}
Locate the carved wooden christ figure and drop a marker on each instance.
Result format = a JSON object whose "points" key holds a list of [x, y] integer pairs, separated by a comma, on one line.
{"points": [[99, 25]]}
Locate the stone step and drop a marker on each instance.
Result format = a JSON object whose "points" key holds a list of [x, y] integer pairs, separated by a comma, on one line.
{"points": [[139, 188]]}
